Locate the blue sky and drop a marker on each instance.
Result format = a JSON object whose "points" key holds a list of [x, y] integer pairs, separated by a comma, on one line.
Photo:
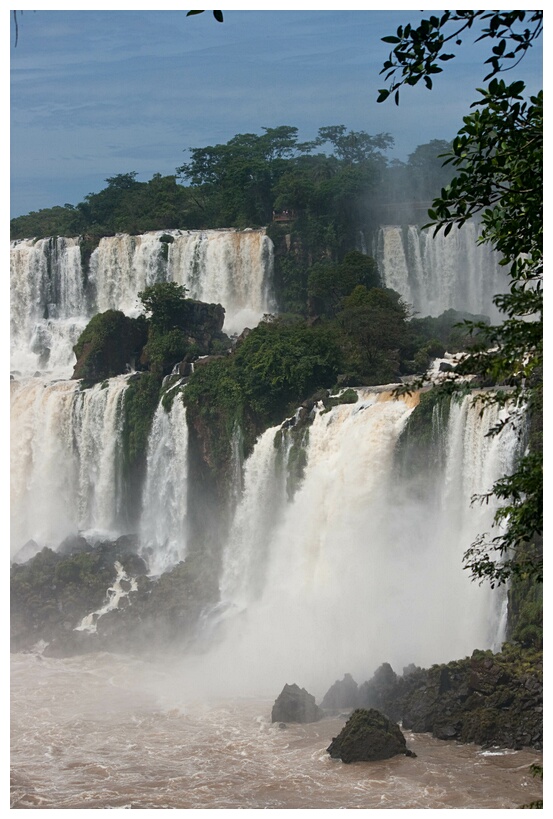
{"points": [[95, 93]]}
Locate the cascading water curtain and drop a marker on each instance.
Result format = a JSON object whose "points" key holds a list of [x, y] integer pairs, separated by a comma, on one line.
{"points": [[356, 568], [66, 461], [439, 273], [163, 532]]}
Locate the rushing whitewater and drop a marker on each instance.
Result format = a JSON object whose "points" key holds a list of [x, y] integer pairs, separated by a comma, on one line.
{"points": [[355, 569], [336, 569], [53, 296], [438, 273], [165, 497], [65, 461]]}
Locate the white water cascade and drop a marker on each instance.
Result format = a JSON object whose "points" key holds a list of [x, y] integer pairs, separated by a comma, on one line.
{"points": [[164, 505], [65, 461], [356, 570], [48, 303], [53, 298], [66, 443], [438, 273], [229, 267]]}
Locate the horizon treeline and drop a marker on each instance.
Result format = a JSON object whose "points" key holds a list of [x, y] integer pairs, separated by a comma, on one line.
{"points": [[331, 187]]}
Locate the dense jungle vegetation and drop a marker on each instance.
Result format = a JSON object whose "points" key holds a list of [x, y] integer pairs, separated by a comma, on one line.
{"points": [[326, 187]]}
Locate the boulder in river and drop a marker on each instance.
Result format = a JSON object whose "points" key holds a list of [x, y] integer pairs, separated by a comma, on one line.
{"points": [[367, 736]]}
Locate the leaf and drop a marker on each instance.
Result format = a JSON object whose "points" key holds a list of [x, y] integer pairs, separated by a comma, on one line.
{"points": [[218, 16], [383, 94], [391, 40], [189, 13]]}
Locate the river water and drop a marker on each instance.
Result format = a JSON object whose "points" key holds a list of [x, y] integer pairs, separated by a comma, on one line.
{"points": [[108, 732]]}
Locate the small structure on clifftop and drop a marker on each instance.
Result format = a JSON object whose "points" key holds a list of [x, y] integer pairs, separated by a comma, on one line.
{"points": [[367, 736]]}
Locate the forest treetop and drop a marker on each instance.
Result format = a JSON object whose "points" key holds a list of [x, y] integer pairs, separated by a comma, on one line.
{"points": [[332, 182]]}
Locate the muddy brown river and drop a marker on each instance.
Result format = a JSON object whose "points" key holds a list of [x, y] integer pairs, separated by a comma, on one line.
{"points": [[107, 732]]}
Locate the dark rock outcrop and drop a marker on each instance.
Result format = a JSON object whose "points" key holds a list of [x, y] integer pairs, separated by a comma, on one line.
{"points": [[110, 344], [367, 736], [295, 704], [490, 699], [375, 693], [343, 694]]}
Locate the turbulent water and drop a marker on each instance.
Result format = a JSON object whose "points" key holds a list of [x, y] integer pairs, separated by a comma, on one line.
{"points": [[165, 496], [102, 731], [438, 273]]}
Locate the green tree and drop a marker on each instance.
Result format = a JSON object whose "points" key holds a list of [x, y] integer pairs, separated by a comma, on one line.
{"points": [[164, 305], [498, 158], [328, 283], [375, 326]]}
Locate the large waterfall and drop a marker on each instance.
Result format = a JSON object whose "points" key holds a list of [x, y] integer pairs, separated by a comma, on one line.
{"points": [[53, 296], [438, 273], [357, 568], [345, 565]]}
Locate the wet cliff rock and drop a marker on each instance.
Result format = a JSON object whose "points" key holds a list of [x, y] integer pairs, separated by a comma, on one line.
{"points": [[342, 695], [295, 704], [490, 699], [110, 344]]}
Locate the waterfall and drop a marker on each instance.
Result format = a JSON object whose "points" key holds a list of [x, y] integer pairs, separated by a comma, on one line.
{"points": [[255, 516], [438, 273], [332, 563], [53, 297], [241, 265], [164, 504], [230, 267], [48, 303], [66, 460], [353, 570]]}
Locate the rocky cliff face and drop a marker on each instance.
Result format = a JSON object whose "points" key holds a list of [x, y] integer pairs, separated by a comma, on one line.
{"points": [[490, 699]]}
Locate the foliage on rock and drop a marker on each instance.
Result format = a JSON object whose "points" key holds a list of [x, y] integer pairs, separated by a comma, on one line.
{"points": [[52, 592], [490, 699]]}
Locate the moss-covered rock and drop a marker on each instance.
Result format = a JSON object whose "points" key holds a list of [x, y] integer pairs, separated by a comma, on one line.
{"points": [[490, 699], [368, 736], [52, 592], [110, 344]]}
